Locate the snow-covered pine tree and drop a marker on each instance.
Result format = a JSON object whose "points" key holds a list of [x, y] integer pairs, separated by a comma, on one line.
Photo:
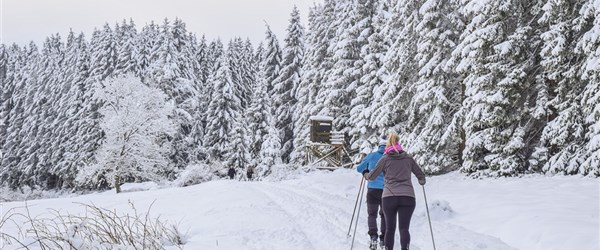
{"points": [[61, 125], [272, 60], [103, 50], [201, 72], [20, 63], [435, 137], [265, 144], [87, 117], [41, 120], [371, 17], [250, 66], [201, 57], [270, 154], [9, 64], [184, 43], [391, 99], [223, 113], [163, 70], [259, 112], [127, 50], [210, 65], [559, 90], [145, 42], [342, 79], [4, 93], [237, 153], [239, 56], [317, 62], [136, 122], [286, 84], [589, 45], [239, 138], [82, 137], [496, 52], [167, 73], [215, 50], [3, 64], [213, 55]]}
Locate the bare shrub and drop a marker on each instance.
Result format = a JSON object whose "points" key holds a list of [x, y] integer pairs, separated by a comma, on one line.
{"points": [[98, 228]]}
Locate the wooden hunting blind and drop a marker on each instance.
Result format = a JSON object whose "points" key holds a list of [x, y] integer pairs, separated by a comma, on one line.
{"points": [[326, 145], [320, 128]]}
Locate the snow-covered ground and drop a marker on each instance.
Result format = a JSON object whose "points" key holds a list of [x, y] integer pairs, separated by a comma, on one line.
{"points": [[314, 212]]}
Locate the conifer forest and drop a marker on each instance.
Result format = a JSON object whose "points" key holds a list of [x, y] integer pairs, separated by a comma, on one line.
{"points": [[486, 87]]}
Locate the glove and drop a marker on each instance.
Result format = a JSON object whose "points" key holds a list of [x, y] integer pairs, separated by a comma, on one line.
{"points": [[422, 181], [366, 171]]}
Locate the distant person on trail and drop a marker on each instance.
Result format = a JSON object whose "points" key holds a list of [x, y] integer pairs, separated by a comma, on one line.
{"points": [[374, 192], [231, 173], [249, 172], [398, 193]]}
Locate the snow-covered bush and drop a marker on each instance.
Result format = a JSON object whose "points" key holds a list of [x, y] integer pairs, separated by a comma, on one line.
{"points": [[440, 210], [27, 193], [195, 174], [283, 172]]}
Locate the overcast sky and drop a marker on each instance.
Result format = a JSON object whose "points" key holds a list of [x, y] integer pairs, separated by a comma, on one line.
{"points": [[34, 20]]}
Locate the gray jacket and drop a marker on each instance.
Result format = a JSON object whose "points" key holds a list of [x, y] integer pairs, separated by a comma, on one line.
{"points": [[396, 168]]}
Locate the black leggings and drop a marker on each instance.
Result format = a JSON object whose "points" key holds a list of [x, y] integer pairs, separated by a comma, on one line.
{"points": [[403, 208], [374, 207]]}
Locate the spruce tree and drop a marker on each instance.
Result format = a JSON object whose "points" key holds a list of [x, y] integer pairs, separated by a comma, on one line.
{"points": [[223, 114], [103, 50], [342, 79], [19, 68], [168, 73], [391, 100], [317, 63], [371, 17], [272, 60], [127, 50], [435, 135], [287, 82], [559, 90], [589, 45]]}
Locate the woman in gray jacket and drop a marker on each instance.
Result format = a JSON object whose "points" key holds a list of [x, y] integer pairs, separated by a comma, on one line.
{"points": [[398, 194]]}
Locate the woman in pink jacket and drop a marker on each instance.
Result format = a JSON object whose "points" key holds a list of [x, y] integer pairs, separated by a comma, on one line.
{"points": [[398, 199]]}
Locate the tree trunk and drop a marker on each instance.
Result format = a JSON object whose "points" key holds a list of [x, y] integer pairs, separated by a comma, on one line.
{"points": [[118, 184]]}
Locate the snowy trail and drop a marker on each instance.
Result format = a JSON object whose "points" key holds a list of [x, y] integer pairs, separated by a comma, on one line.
{"points": [[321, 224], [313, 212], [270, 215], [324, 218]]}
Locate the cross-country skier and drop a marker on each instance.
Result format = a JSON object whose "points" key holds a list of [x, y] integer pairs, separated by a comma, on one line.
{"points": [[398, 193], [374, 192]]}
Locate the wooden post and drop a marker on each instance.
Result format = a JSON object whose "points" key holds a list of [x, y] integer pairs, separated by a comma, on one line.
{"points": [[118, 183]]}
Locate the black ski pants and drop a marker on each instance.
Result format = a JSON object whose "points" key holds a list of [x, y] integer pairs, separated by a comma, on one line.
{"points": [[373, 208], [401, 207]]}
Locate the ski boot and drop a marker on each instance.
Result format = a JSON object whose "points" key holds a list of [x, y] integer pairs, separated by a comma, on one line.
{"points": [[373, 245]]}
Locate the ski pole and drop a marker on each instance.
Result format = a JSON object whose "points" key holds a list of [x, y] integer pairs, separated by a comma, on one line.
{"points": [[360, 188], [429, 218], [357, 214]]}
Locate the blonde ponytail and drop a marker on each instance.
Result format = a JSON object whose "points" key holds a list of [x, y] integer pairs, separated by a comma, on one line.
{"points": [[392, 139]]}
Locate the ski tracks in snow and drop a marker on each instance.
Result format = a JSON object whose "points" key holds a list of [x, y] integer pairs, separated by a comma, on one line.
{"points": [[319, 220], [321, 217]]}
